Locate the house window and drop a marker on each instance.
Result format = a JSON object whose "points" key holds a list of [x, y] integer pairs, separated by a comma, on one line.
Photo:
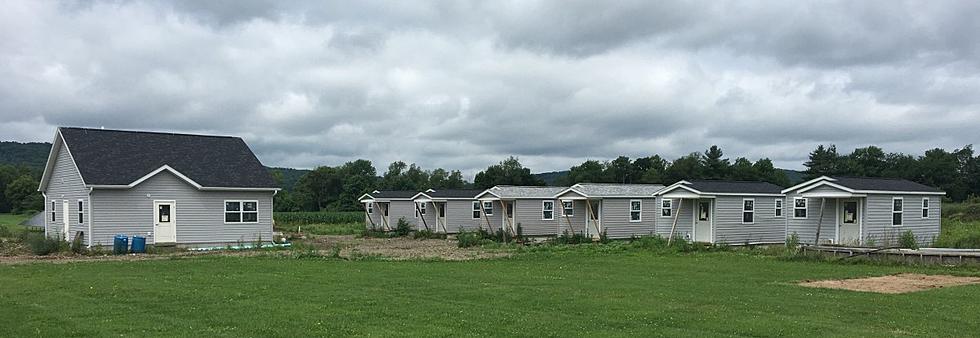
{"points": [[925, 207], [897, 210], [568, 208], [476, 209], [81, 212], [666, 207], [385, 208], [53, 208], [799, 207], [442, 210], [548, 210], [748, 211], [488, 208], [370, 208], [419, 209], [636, 210], [779, 208], [241, 212]]}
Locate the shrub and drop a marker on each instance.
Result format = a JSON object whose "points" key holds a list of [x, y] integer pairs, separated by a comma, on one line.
{"points": [[792, 241], [567, 237], [43, 246], [5, 232], [466, 239], [402, 229], [76, 246], [907, 240], [428, 234]]}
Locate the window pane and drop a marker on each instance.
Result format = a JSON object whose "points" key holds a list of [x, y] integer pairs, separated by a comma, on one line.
{"points": [[925, 213], [232, 206], [748, 205], [665, 212], [896, 219], [665, 204], [164, 212], [925, 203], [250, 217], [476, 214], [799, 213], [233, 217], [635, 216], [779, 212], [747, 217], [549, 206], [249, 206], [549, 214], [897, 206], [779, 203], [800, 203], [635, 205]]}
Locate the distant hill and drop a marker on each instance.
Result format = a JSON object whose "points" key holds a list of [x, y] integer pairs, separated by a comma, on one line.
{"points": [[289, 176], [551, 178], [794, 176], [33, 155]]}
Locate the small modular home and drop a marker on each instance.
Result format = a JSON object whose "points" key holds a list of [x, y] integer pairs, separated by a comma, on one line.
{"points": [[862, 210], [188, 190], [534, 208], [619, 210], [449, 210], [383, 209], [730, 212]]}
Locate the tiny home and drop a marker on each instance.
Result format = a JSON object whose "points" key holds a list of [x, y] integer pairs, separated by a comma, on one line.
{"points": [[383, 209], [862, 210], [618, 210], [730, 212], [535, 209], [188, 190], [452, 210]]}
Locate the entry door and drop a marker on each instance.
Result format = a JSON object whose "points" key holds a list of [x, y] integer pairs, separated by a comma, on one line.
{"points": [[66, 219], [849, 223], [594, 227], [164, 222], [702, 221], [441, 221], [509, 213]]}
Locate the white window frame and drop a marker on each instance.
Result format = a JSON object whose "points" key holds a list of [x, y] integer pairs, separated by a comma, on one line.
{"points": [[900, 212], [419, 209], [925, 207], [744, 210], [543, 210], [669, 209], [370, 208], [54, 210], [484, 205], [565, 210], [477, 209], [639, 212], [778, 208], [241, 211], [81, 211], [806, 204]]}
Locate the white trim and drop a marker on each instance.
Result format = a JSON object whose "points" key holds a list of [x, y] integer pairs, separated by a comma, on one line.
{"points": [[81, 214], [173, 218], [483, 208], [479, 209], [674, 186], [858, 214], [241, 211], [173, 171], [631, 211], [745, 211], [45, 214], [420, 209], [543, 202], [421, 193], [809, 185], [806, 207], [828, 178], [564, 209], [902, 212], [365, 195], [90, 237], [486, 192], [925, 206], [66, 219], [826, 183], [671, 208], [779, 205], [52, 156]]}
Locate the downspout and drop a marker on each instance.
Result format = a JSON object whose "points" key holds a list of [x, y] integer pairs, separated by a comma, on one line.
{"points": [[46, 204], [272, 225], [90, 237]]}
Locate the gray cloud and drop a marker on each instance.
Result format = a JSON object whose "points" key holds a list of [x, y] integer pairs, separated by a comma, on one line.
{"points": [[464, 84]]}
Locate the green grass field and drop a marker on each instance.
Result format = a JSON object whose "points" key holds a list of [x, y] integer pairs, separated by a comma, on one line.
{"points": [[12, 222], [552, 293], [324, 228]]}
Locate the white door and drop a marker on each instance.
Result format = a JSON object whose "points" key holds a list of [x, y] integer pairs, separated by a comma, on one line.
{"points": [[849, 222], [441, 221], [65, 218], [702, 221], [164, 222]]}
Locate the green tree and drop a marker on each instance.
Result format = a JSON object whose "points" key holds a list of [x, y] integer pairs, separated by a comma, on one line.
{"points": [[651, 169], [823, 162], [590, 171], [715, 167], [319, 189], [507, 172], [765, 171], [455, 181], [685, 168], [867, 162], [620, 170], [358, 177], [23, 195], [742, 170]]}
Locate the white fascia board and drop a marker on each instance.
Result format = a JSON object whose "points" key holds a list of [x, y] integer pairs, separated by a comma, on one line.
{"points": [[818, 179]]}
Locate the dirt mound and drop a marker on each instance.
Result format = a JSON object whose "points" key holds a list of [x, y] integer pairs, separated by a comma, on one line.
{"points": [[893, 284], [401, 248]]}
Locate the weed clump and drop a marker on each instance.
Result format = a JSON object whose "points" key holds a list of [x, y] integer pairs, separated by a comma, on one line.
{"points": [[41, 245], [908, 241]]}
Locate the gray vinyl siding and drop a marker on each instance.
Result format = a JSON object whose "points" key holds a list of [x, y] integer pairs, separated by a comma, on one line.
{"points": [[685, 219], [427, 220], [375, 218], [878, 219], [806, 228], [766, 228], [616, 218], [574, 223], [199, 215], [401, 209], [529, 215], [65, 183], [494, 219], [459, 215]]}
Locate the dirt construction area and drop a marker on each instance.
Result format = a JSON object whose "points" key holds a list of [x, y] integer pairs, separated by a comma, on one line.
{"points": [[894, 284]]}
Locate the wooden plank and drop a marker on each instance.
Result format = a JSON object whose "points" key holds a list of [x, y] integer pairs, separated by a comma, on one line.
{"points": [[816, 240], [677, 215]]}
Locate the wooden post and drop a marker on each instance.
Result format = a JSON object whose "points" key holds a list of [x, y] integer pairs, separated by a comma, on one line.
{"points": [[370, 219], [588, 217], [507, 218], [384, 219], [422, 216], [485, 217], [673, 226], [567, 219], [816, 241]]}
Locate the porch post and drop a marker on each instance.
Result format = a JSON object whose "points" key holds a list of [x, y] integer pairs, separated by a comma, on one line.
{"points": [[673, 226], [823, 202]]}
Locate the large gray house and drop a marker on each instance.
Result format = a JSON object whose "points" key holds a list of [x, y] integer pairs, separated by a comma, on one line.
{"points": [[862, 210], [731, 212], [449, 210], [618, 210], [188, 190], [383, 209]]}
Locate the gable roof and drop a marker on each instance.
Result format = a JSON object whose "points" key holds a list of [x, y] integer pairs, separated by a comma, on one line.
{"points": [[453, 193], [722, 187], [613, 190], [391, 194], [868, 185], [121, 159], [516, 192]]}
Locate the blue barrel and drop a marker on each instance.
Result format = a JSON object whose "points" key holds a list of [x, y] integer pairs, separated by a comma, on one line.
{"points": [[120, 244], [139, 244]]}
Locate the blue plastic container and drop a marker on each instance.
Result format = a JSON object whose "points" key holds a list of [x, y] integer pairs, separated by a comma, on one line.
{"points": [[139, 244], [120, 244]]}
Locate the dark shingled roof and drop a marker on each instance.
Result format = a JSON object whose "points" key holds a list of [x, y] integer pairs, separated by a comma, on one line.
{"points": [[393, 193], [882, 184], [734, 187], [454, 193], [117, 157]]}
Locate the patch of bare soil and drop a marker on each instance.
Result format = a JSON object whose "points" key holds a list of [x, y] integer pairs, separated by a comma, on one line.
{"points": [[894, 284], [401, 248]]}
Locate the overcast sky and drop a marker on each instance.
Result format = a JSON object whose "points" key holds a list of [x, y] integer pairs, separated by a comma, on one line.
{"points": [[461, 85]]}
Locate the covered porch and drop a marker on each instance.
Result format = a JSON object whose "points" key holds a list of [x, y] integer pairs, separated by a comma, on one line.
{"points": [[839, 215], [689, 205], [589, 224]]}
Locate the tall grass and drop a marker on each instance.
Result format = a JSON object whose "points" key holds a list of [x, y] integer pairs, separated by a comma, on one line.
{"points": [[322, 217]]}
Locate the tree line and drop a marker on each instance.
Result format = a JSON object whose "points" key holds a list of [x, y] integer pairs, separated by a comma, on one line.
{"points": [[18, 189]]}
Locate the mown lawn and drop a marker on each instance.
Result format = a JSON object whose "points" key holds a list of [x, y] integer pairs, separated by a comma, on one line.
{"points": [[575, 293], [12, 222]]}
